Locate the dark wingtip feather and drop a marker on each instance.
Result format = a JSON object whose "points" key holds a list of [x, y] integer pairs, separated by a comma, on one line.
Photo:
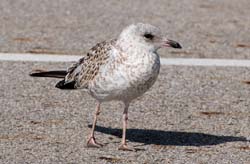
{"points": [[62, 85]]}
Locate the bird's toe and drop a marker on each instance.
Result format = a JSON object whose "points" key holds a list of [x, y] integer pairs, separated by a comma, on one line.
{"points": [[124, 147], [92, 143]]}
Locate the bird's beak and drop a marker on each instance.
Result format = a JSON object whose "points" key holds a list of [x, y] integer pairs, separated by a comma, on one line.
{"points": [[171, 43]]}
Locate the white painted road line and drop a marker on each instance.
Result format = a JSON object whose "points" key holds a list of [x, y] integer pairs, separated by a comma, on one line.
{"points": [[38, 57], [164, 61], [205, 62]]}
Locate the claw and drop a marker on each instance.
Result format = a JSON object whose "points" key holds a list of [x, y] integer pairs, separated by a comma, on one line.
{"points": [[92, 143], [125, 148]]}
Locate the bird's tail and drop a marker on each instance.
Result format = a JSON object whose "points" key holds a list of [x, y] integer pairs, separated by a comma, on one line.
{"points": [[44, 73], [54, 74]]}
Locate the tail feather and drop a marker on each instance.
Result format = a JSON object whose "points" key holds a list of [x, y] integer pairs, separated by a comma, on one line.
{"points": [[44, 73], [55, 74]]}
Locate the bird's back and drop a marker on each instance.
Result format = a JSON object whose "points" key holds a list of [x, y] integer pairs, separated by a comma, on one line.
{"points": [[81, 73]]}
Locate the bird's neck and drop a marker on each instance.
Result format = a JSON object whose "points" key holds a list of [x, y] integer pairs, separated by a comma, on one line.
{"points": [[138, 54], [134, 48]]}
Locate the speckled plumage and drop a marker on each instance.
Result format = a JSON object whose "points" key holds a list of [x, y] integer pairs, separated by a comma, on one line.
{"points": [[86, 69]]}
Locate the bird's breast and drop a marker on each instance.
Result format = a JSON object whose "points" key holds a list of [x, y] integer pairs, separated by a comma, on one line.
{"points": [[127, 77], [142, 68]]}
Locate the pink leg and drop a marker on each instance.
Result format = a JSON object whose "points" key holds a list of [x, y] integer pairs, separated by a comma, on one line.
{"points": [[124, 146], [92, 142]]}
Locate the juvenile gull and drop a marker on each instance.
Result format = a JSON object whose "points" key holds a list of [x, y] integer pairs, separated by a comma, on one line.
{"points": [[121, 69]]}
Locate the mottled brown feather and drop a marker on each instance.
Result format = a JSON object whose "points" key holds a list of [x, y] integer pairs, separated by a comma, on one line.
{"points": [[88, 67]]}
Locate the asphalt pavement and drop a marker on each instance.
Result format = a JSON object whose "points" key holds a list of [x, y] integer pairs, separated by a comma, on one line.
{"points": [[191, 115], [206, 29]]}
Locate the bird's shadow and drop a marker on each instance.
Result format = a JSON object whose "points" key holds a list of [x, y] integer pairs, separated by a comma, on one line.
{"points": [[160, 137]]}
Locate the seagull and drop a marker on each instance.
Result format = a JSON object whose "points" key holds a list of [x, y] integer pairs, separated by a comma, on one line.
{"points": [[120, 69]]}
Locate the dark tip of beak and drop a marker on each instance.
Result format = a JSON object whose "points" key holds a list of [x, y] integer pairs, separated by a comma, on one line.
{"points": [[174, 44], [177, 45]]}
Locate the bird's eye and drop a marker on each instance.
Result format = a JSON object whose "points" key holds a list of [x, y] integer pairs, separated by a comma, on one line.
{"points": [[149, 36]]}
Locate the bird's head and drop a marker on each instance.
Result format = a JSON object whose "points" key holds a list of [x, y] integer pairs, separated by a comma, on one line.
{"points": [[146, 36]]}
